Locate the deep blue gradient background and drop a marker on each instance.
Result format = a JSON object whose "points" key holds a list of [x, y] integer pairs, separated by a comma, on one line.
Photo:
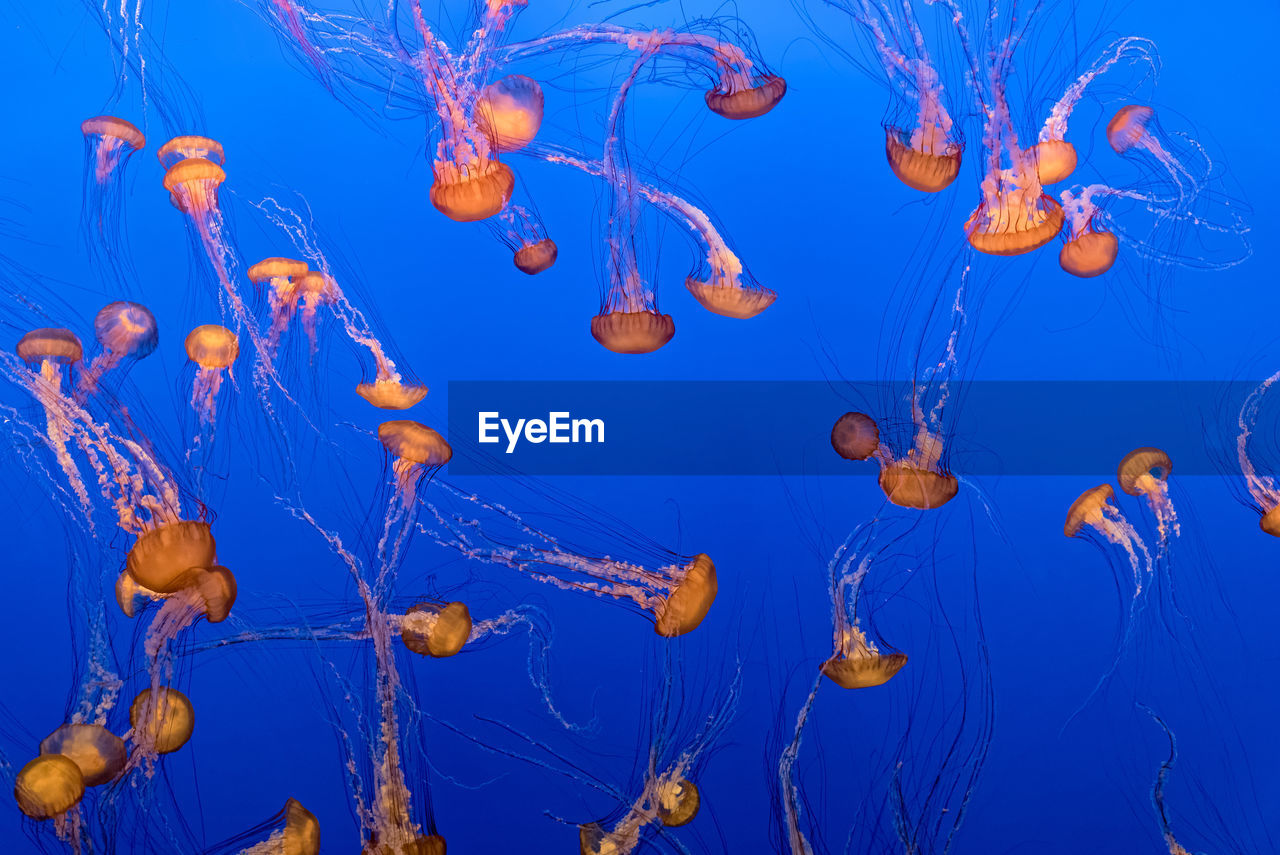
{"points": [[808, 200]]}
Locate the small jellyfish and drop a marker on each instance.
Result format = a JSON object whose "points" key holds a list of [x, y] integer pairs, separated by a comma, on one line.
{"points": [[436, 629], [387, 393], [281, 276], [300, 834], [162, 719], [534, 258], [855, 436], [1089, 252], [1128, 130], [124, 330], [213, 348], [509, 112], [418, 451], [48, 786], [859, 664], [111, 141], [50, 349], [918, 480], [193, 186], [1145, 472], [733, 100], [856, 661], [99, 753]]}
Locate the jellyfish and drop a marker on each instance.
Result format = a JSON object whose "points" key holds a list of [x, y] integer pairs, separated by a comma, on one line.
{"points": [[50, 349], [521, 230], [509, 112], [280, 276], [436, 629], [418, 451], [162, 719], [857, 662], [49, 786], [918, 479], [676, 595], [124, 330], [924, 148], [1055, 157], [109, 143], [213, 348], [1145, 472], [299, 834], [855, 436], [1263, 489], [99, 753]]}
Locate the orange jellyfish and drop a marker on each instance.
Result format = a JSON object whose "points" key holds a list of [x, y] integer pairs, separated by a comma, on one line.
{"points": [[855, 436], [534, 258], [50, 349], [1262, 488], [1145, 472], [1055, 157], [213, 348], [509, 112], [739, 96], [676, 595], [1090, 249], [299, 834], [919, 479], [124, 330], [99, 753], [418, 451], [111, 141], [280, 276], [857, 662], [161, 557], [48, 786], [162, 719], [438, 630]]}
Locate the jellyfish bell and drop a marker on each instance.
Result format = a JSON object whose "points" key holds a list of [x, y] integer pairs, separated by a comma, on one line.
{"points": [[730, 301], [1055, 160], [913, 487], [633, 332], [215, 587], [414, 442], [1143, 470], [747, 103], [126, 328], [99, 753], [50, 345], [193, 184], [212, 346], [928, 172], [161, 557], [863, 671], [436, 629], [1014, 221], [683, 610], [1088, 509], [391, 394], [472, 193], [1128, 127], [1090, 254], [162, 719], [112, 127], [48, 786], [534, 258], [191, 147], [678, 802], [855, 436], [270, 269], [301, 830], [509, 112], [429, 844]]}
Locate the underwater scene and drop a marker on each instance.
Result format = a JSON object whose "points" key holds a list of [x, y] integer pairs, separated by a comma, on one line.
{"points": [[600, 426]]}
